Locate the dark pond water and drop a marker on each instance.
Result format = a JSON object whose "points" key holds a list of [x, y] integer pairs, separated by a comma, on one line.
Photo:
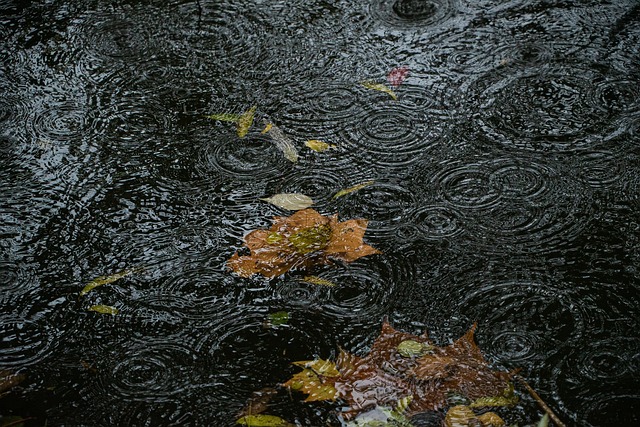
{"points": [[506, 192]]}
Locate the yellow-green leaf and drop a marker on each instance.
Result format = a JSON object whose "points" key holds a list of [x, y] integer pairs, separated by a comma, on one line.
{"points": [[245, 121], [412, 348], [103, 280], [267, 128], [315, 280], [352, 189], [322, 367], [104, 309], [508, 398], [380, 87], [263, 421], [224, 117], [317, 145], [290, 201]]}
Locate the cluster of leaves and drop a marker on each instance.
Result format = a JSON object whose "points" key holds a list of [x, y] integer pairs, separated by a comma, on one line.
{"points": [[301, 240], [405, 366]]}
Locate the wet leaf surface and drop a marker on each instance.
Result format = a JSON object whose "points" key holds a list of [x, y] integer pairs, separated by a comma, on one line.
{"points": [[384, 376], [104, 309], [104, 280], [302, 240], [397, 76], [290, 201], [381, 88], [350, 190]]}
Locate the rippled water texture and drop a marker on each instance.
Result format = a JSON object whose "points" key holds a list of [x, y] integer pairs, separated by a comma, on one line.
{"points": [[506, 192]]}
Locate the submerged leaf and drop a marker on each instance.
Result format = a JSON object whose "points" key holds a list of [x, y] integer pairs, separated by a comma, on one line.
{"points": [[315, 280], [104, 309], [397, 76], [380, 87], [490, 419], [103, 280], [317, 145], [224, 117], [278, 318], [9, 379], [290, 201], [263, 421], [245, 121], [282, 141], [349, 190], [385, 379]]}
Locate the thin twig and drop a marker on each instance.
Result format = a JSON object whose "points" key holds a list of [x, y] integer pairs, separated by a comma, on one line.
{"points": [[543, 405]]}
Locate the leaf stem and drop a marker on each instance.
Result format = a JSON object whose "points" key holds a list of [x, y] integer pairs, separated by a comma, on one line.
{"points": [[543, 405]]}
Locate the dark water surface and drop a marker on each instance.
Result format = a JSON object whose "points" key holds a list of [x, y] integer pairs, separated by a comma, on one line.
{"points": [[506, 192]]}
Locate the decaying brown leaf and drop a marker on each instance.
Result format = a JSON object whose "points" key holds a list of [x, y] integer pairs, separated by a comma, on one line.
{"points": [[301, 240], [387, 375]]}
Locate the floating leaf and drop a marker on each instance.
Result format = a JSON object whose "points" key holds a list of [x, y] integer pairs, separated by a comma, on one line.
{"points": [[267, 128], [315, 280], [104, 309], [278, 318], [352, 189], [282, 141], [383, 378], [380, 87], [103, 280], [245, 121], [397, 76], [302, 240], [263, 421], [317, 145], [290, 201], [224, 117], [310, 383]]}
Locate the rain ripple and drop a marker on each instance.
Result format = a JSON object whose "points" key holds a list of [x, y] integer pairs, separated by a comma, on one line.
{"points": [[153, 370], [24, 341], [547, 108], [528, 317], [411, 14], [253, 158]]}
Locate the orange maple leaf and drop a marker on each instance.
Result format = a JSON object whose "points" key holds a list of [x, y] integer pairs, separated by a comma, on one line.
{"points": [[301, 240]]}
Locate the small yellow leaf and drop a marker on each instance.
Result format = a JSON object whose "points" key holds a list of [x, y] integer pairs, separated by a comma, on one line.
{"points": [[380, 87], [290, 201], [103, 280], [317, 145], [104, 309], [245, 121], [315, 280], [263, 421], [267, 128], [352, 189]]}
